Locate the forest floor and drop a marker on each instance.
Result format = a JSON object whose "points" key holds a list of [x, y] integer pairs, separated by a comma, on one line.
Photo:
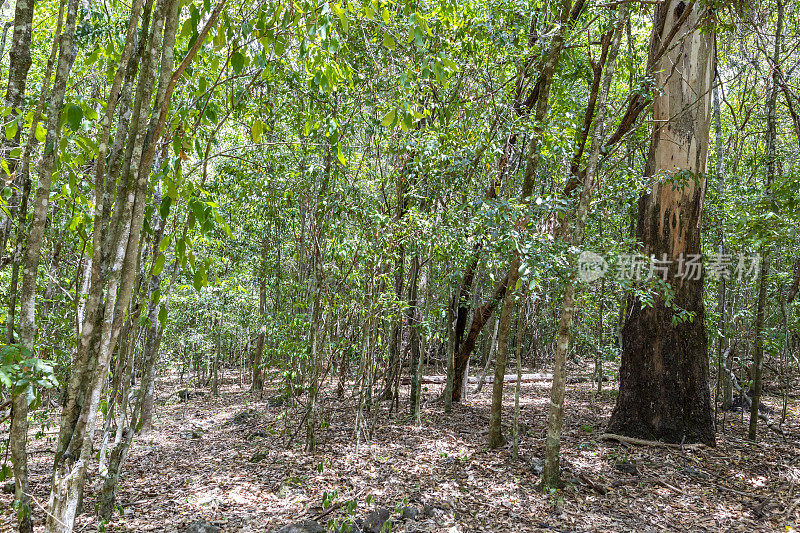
{"points": [[227, 459]]}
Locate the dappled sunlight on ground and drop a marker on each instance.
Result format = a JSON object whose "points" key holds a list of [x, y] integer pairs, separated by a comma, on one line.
{"points": [[232, 461]]}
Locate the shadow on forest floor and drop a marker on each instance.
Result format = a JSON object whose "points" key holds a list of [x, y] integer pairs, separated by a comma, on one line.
{"points": [[203, 461]]}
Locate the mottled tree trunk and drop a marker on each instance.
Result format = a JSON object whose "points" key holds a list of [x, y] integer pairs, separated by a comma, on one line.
{"points": [[574, 236], [30, 259], [496, 437], [19, 63], [664, 392], [118, 245]]}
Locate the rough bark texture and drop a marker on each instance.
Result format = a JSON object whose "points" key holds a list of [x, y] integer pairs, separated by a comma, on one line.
{"points": [[102, 327], [664, 391], [19, 63], [30, 262]]}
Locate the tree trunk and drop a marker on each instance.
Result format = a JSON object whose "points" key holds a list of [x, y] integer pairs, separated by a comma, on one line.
{"points": [[664, 392], [496, 437], [19, 63], [30, 261], [555, 417], [258, 354], [412, 316], [763, 275], [108, 300], [461, 312], [723, 378]]}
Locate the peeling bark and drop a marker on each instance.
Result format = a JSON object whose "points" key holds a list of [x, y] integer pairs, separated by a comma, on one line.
{"points": [[664, 390]]}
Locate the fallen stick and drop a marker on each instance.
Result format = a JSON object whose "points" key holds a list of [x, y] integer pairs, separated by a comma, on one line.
{"points": [[642, 442], [598, 488], [668, 486]]}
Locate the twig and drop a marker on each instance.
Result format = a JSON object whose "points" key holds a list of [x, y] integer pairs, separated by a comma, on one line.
{"points": [[667, 485], [792, 508], [43, 508], [600, 489], [620, 2]]}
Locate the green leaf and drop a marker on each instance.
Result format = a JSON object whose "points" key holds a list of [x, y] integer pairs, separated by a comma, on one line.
{"points": [[11, 130], [256, 129], [159, 264], [237, 62], [279, 46], [90, 113], [342, 14], [388, 119], [162, 316], [197, 209], [165, 243], [5, 378], [199, 278], [163, 209], [388, 42], [74, 117], [180, 250], [92, 57], [41, 133], [340, 155]]}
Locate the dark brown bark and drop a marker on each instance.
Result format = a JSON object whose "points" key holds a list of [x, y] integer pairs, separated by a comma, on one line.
{"points": [[792, 292]]}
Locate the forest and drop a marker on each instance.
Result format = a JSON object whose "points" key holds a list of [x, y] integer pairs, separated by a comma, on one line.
{"points": [[399, 265]]}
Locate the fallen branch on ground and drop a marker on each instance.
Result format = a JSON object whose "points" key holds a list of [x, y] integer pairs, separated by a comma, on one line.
{"points": [[643, 442]]}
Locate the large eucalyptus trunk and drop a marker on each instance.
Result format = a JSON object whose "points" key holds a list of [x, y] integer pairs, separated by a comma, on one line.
{"points": [[664, 392]]}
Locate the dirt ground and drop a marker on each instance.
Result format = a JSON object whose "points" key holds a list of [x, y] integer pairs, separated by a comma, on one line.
{"points": [[249, 472]]}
